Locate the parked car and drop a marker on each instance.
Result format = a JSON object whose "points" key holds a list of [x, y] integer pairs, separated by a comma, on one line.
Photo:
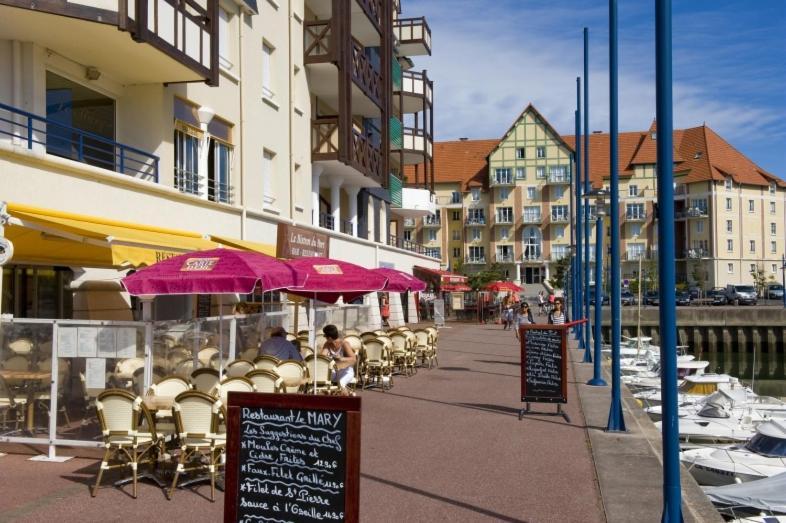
{"points": [[683, 298], [717, 295], [628, 298], [652, 298], [604, 298], [741, 294], [695, 293], [774, 291]]}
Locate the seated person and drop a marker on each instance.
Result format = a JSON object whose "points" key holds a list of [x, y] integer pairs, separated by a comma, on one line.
{"points": [[341, 352], [278, 346]]}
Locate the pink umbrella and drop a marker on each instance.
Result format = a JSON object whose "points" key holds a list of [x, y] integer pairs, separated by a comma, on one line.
{"points": [[399, 281], [217, 271], [328, 280]]}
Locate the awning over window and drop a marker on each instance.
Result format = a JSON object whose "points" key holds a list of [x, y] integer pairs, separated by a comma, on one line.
{"points": [[439, 276], [245, 245], [50, 237]]}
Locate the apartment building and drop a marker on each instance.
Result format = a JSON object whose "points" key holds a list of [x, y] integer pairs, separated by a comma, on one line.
{"points": [[135, 132], [514, 194]]}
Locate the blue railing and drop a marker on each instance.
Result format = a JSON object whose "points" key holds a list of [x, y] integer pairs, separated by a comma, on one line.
{"points": [[76, 144]]}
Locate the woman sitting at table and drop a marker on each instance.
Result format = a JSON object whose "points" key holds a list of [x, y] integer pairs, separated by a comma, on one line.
{"points": [[341, 352]]}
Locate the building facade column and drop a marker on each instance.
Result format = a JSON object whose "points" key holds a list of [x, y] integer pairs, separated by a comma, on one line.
{"points": [[316, 171], [352, 197], [335, 202]]}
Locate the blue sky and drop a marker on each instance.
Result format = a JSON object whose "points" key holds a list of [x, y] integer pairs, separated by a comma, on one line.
{"points": [[490, 58]]}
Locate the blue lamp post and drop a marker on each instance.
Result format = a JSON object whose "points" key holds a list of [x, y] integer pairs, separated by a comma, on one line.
{"points": [[586, 175], [599, 196], [579, 313]]}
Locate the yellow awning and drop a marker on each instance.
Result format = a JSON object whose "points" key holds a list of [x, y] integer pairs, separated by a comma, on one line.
{"points": [[245, 245], [46, 236]]}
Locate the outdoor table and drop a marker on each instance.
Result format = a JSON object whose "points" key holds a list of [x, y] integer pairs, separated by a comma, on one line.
{"points": [[30, 377]]}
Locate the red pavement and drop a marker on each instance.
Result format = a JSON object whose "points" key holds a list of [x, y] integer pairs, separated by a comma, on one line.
{"points": [[445, 444]]}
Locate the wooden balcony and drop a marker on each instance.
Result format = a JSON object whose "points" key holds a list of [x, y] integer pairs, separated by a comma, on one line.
{"points": [[416, 92], [327, 139], [413, 36], [159, 40], [365, 75]]}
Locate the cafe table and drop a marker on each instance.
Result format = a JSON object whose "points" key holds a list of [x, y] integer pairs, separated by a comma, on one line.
{"points": [[31, 379]]}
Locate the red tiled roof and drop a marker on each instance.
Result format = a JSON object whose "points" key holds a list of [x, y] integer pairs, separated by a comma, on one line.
{"points": [[463, 161]]}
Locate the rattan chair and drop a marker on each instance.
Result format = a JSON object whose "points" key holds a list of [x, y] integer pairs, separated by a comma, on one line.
{"points": [[118, 415], [401, 354], [249, 354], [197, 416], [266, 381], [324, 374], [185, 368], [366, 336], [266, 362], [377, 365], [234, 384], [291, 371], [239, 368], [19, 363], [423, 347], [205, 380], [205, 355], [434, 337], [8, 405], [171, 386]]}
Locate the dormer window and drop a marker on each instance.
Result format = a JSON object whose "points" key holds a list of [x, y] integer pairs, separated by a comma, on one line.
{"points": [[729, 183], [654, 135], [772, 187], [697, 155]]}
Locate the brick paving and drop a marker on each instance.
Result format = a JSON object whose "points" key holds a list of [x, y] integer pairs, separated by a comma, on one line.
{"points": [[445, 444]]}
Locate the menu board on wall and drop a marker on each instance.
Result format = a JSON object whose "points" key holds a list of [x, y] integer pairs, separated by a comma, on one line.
{"points": [[543, 363], [292, 458], [66, 342], [87, 342]]}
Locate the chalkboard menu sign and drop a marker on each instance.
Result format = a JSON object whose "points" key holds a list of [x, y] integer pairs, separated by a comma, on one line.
{"points": [[544, 363], [292, 458]]}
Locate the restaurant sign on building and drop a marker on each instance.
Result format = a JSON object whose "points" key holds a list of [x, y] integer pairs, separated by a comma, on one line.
{"points": [[299, 242]]}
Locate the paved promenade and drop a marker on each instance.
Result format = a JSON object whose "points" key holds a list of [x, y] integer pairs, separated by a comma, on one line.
{"points": [[445, 444]]}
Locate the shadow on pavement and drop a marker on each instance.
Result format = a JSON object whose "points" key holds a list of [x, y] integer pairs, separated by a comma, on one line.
{"points": [[514, 363], [461, 504], [467, 369], [480, 353]]}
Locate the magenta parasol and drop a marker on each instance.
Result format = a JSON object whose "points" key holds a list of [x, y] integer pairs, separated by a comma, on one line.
{"points": [[399, 281], [217, 271], [328, 280]]}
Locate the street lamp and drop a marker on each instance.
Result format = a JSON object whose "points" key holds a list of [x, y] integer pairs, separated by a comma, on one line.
{"points": [[600, 196]]}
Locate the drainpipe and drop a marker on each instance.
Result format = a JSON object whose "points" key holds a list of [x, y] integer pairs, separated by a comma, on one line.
{"points": [[713, 232], [242, 185], [290, 75], [16, 48]]}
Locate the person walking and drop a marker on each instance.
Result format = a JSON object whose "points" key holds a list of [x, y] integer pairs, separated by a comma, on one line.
{"points": [[541, 303], [557, 315], [524, 317]]}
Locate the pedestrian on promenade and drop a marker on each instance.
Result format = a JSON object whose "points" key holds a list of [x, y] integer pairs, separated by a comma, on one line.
{"points": [[524, 317], [557, 315], [384, 309], [541, 303], [507, 311]]}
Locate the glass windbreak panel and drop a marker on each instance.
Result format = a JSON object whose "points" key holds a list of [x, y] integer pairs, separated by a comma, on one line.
{"points": [[767, 445], [25, 376], [92, 358]]}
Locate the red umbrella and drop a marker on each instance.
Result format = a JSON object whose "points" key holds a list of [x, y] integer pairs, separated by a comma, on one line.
{"points": [[217, 271], [502, 286], [399, 281], [330, 279]]}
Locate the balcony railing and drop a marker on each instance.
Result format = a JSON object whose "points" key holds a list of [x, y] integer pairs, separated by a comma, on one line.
{"points": [[532, 254], [373, 9], [477, 221], [417, 140], [409, 222], [318, 42], [693, 212], [475, 260], [504, 258], [558, 179], [34, 131], [326, 221], [531, 218], [396, 134], [557, 256], [416, 83], [190, 182], [560, 218], [503, 220], [634, 255], [636, 217], [408, 245], [365, 75], [363, 155], [501, 181], [395, 191], [397, 74], [347, 227], [697, 253], [431, 221], [413, 35]]}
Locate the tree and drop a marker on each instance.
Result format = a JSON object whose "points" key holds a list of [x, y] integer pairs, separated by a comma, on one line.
{"points": [[698, 274], [650, 275], [633, 287], [759, 279], [480, 279], [559, 273]]}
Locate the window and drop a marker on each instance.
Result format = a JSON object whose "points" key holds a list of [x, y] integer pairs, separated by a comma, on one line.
{"points": [[456, 235], [224, 40], [635, 211], [521, 153], [699, 227], [773, 229], [502, 176], [531, 214], [531, 193], [559, 251], [540, 151], [634, 251], [503, 233], [729, 206], [772, 207], [751, 206], [559, 231], [267, 73], [559, 173], [635, 229], [521, 173], [504, 193], [753, 268], [476, 254], [730, 268], [559, 191], [752, 245], [455, 215], [408, 235], [476, 234], [476, 216], [268, 172], [434, 252], [729, 226], [698, 206], [532, 239], [187, 160], [772, 187], [633, 190], [592, 211], [455, 197], [457, 252], [730, 245], [432, 235], [773, 247], [559, 213], [540, 171], [774, 268], [505, 215], [728, 183], [475, 192]]}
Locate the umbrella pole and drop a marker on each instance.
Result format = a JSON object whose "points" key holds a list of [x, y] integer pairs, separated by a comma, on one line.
{"points": [[220, 335], [312, 318]]}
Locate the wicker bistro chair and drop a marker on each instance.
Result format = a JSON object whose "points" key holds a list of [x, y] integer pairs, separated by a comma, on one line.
{"points": [[171, 386], [423, 347], [9, 404], [16, 362], [235, 384], [401, 354], [366, 336], [205, 355], [239, 368], [205, 380], [376, 365], [266, 381], [293, 372], [118, 416], [434, 337], [249, 354], [324, 374], [197, 417], [266, 362]]}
